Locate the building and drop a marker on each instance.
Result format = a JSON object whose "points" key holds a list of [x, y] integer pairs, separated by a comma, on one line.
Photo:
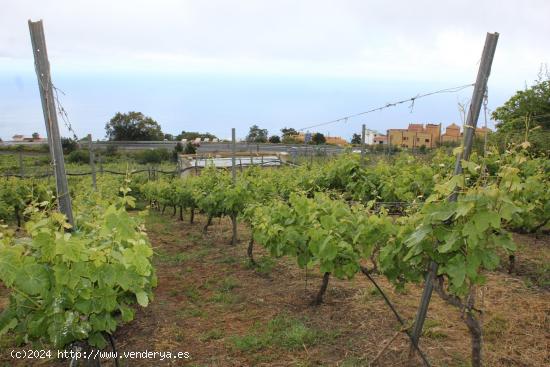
{"points": [[452, 134], [416, 136], [380, 139], [482, 131], [28, 139]]}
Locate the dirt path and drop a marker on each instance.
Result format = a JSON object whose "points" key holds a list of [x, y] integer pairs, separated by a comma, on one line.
{"points": [[212, 304]]}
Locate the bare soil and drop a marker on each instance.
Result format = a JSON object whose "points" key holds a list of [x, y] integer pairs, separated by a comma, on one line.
{"points": [[211, 303]]}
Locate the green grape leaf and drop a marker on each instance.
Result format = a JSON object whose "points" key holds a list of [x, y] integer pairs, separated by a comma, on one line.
{"points": [[142, 298], [32, 279]]}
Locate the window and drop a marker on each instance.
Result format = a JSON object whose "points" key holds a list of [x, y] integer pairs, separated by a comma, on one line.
{"points": [[427, 140], [405, 138]]}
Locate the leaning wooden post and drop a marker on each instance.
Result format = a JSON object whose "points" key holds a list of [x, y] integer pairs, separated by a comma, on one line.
{"points": [[42, 67], [469, 130], [363, 145], [92, 161], [234, 181]]}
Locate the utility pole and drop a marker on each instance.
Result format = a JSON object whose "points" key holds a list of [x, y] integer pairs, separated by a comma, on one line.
{"points": [[42, 67], [363, 145], [471, 124], [92, 160]]}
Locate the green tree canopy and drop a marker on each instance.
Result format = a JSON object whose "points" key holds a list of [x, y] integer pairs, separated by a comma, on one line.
{"points": [[256, 135], [274, 139], [133, 126], [289, 135], [318, 138], [288, 131], [532, 103], [526, 116], [356, 139]]}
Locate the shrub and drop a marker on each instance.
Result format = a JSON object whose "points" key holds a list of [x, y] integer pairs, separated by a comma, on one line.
{"points": [[152, 156], [79, 156], [190, 149]]}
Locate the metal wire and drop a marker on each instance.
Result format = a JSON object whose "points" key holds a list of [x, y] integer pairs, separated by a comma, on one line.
{"points": [[392, 104]]}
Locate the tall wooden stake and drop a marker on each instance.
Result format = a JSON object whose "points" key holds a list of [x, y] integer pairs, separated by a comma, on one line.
{"points": [[42, 67], [363, 145], [471, 124], [92, 160], [234, 178]]}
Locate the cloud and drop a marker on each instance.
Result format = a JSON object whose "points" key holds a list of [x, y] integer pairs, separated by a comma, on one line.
{"points": [[411, 40]]}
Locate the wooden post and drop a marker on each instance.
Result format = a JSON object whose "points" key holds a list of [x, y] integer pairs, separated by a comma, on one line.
{"points": [[92, 161], [233, 152], [42, 67], [363, 145], [100, 161], [234, 180], [471, 122]]}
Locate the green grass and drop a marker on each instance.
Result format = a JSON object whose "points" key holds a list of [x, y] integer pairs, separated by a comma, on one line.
{"points": [[192, 293], [171, 259], [354, 362], [192, 311], [264, 265], [224, 293], [213, 334], [227, 260], [495, 327], [432, 329], [283, 332]]}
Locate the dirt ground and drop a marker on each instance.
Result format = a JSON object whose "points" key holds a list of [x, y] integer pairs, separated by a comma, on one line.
{"points": [[212, 304]]}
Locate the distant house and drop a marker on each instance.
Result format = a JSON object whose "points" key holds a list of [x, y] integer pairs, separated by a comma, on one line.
{"points": [[28, 139], [416, 136], [18, 138], [380, 139], [482, 131], [452, 133]]}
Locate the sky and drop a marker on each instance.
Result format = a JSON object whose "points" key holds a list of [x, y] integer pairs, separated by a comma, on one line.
{"points": [[210, 65]]}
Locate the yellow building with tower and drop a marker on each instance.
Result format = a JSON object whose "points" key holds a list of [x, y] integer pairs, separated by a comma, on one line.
{"points": [[429, 136], [416, 136]]}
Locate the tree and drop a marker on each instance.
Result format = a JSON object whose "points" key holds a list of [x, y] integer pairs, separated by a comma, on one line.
{"points": [[256, 135], [288, 131], [68, 145], [133, 126], [189, 148], [356, 139], [35, 136], [318, 138], [177, 150], [168, 137], [525, 117], [275, 139], [289, 135]]}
